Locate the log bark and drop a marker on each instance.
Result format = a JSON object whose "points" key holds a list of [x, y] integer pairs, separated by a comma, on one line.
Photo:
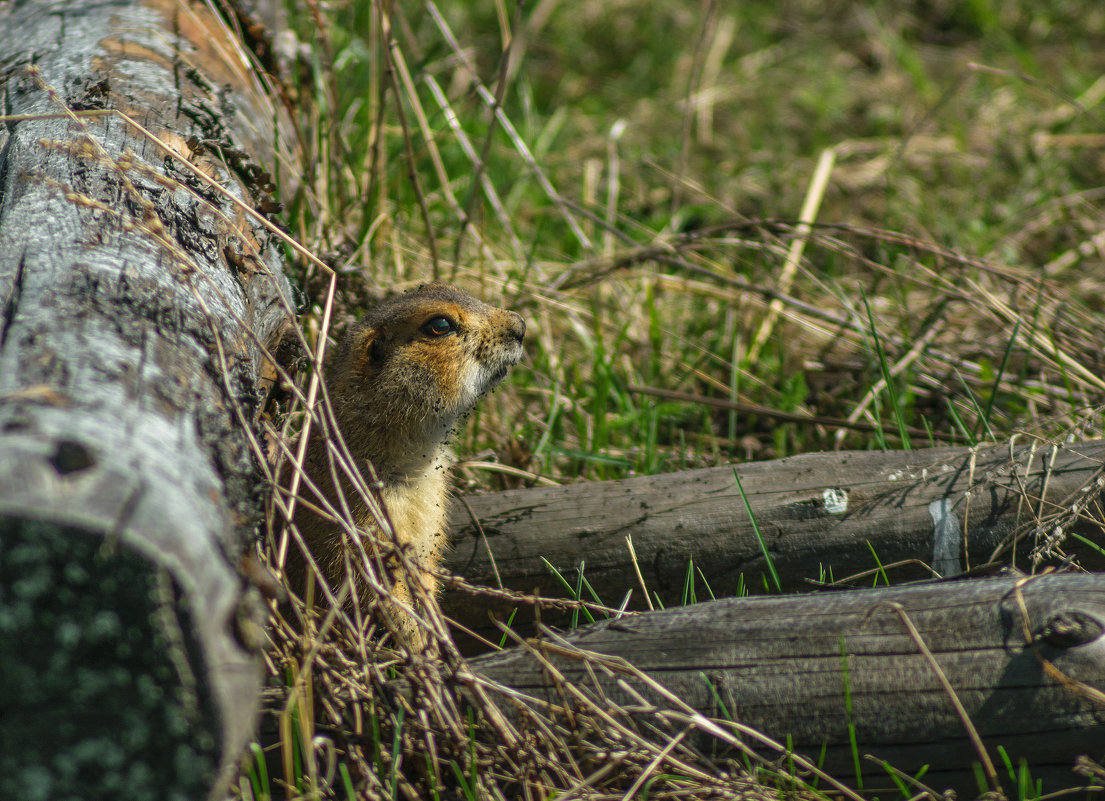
{"points": [[805, 667], [819, 514], [134, 301]]}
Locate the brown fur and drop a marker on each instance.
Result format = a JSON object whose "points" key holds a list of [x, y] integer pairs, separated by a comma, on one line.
{"points": [[397, 391]]}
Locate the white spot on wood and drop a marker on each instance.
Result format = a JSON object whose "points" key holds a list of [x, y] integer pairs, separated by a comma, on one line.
{"points": [[945, 538], [835, 500]]}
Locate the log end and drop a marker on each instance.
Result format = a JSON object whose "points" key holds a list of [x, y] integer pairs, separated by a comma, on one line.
{"points": [[97, 695]]}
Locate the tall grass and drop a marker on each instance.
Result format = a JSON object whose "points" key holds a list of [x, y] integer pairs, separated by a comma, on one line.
{"points": [[632, 177], [629, 176]]}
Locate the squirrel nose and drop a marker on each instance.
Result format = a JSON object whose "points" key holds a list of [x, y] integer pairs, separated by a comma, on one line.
{"points": [[517, 326]]}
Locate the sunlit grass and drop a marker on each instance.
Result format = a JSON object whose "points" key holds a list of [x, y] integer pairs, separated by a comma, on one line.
{"points": [[631, 199], [631, 177]]}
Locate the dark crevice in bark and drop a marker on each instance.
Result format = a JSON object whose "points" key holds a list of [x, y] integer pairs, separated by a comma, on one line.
{"points": [[11, 306], [7, 128]]}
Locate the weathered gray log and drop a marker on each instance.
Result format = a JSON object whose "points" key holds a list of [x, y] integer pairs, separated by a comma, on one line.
{"points": [[789, 667], [826, 511], [129, 354]]}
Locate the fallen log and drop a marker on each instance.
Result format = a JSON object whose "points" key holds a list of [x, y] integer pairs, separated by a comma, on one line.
{"points": [[135, 299], [820, 515], [1024, 657]]}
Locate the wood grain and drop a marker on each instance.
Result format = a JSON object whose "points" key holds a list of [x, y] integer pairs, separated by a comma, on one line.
{"points": [[782, 665], [820, 515]]}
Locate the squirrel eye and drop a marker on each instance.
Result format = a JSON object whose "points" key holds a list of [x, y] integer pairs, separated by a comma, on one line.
{"points": [[439, 327]]}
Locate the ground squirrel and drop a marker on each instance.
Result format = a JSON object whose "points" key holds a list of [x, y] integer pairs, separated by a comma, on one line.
{"points": [[398, 383]]}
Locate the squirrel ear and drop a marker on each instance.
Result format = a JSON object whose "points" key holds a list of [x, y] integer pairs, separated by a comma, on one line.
{"points": [[370, 344], [357, 349]]}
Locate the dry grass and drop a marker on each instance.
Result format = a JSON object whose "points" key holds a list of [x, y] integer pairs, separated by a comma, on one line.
{"points": [[631, 178]]}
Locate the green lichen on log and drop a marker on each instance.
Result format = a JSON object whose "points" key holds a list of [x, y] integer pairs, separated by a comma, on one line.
{"points": [[97, 699]]}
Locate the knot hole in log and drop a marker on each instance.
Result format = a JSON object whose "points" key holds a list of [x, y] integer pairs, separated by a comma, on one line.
{"points": [[1069, 628]]}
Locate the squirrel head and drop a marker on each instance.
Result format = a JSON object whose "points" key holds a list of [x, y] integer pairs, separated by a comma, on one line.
{"points": [[418, 363]]}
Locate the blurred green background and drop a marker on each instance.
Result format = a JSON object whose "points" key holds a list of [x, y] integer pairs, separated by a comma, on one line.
{"points": [[630, 177]]}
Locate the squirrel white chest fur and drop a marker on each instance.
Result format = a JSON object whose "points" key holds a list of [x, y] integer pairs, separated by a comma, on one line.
{"points": [[399, 384]]}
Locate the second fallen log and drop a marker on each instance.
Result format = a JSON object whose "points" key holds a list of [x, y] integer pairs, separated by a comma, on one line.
{"points": [[1024, 657], [831, 513]]}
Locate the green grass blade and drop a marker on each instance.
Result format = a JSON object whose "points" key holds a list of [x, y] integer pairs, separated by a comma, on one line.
{"points": [[396, 754], [891, 391], [958, 421], [577, 595], [848, 712], [717, 698], [759, 537], [709, 590], [974, 402], [1090, 543], [259, 774], [557, 574], [898, 782], [594, 595], [988, 410], [878, 564], [509, 621], [465, 788], [575, 592], [688, 584], [347, 783]]}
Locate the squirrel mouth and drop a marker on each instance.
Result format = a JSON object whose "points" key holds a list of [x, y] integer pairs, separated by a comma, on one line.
{"points": [[496, 372]]}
